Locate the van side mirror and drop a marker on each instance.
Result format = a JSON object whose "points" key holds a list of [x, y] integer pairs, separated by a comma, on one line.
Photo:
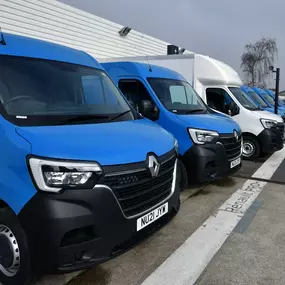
{"points": [[234, 109], [149, 110]]}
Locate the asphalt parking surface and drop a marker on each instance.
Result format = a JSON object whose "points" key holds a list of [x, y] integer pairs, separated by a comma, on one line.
{"points": [[252, 253]]}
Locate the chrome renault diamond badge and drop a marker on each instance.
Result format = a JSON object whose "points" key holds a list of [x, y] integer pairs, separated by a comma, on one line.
{"points": [[153, 165], [236, 135]]}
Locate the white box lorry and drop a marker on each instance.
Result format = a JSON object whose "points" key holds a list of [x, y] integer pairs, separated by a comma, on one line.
{"points": [[219, 86]]}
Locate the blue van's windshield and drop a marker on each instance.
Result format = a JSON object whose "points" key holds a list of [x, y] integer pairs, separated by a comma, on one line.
{"points": [[269, 99], [177, 96], [256, 98], [41, 92]]}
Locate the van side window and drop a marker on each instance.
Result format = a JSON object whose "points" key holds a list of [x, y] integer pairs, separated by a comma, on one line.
{"points": [[218, 99], [135, 92]]}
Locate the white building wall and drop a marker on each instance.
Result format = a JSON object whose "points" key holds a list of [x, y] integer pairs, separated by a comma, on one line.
{"points": [[57, 22]]}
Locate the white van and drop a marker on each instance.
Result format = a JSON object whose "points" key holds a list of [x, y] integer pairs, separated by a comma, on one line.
{"points": [[219, 86]]}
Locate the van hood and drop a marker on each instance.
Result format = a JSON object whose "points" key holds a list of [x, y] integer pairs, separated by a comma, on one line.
{"points": [[271, 110], [221, 124], [107, 143], [267, 115]]}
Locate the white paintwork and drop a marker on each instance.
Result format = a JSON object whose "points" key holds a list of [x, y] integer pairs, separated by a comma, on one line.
{"points": [[195, 68], [57, 22], [187, 263], [205, 72]]}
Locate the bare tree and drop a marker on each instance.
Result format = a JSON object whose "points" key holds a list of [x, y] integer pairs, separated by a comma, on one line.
{"points": [[256, 59]]}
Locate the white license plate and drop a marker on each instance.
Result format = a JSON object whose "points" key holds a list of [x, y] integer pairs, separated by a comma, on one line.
{"points": [[235, 162], [152, 216]]}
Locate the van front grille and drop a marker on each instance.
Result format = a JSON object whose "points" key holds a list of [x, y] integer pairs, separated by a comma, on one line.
{"points": [[231, 144], [135, 188]]}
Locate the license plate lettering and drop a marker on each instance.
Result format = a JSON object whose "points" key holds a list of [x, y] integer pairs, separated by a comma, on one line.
{"points": [[235, 162], [152, 216]]}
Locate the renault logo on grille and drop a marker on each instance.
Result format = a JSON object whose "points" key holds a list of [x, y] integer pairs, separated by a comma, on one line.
{"points": [[153, 165], [236, 135]]}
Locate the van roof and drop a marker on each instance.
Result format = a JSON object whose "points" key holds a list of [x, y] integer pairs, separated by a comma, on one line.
{"points": [[29, 47], [143, 70], [246, 88], [269, 91], [207, 70], [210, 71], [259, 90]]}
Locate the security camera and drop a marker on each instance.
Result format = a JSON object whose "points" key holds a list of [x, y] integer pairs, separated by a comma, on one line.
{"points": [[271, 67]]}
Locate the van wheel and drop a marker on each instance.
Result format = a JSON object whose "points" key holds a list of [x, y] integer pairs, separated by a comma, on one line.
{"points": [[15, 266], [250, 148]]}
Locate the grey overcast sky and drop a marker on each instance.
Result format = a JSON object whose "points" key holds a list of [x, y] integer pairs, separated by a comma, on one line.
{"points": [[219, 28]]}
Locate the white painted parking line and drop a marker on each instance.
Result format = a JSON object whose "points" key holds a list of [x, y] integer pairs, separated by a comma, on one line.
{"points": [[187, 263]]}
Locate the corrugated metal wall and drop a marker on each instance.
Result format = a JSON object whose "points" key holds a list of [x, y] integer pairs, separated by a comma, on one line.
{"points": [[54, 21]]}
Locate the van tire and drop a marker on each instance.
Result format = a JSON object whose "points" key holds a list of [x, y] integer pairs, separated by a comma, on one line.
{"points": [[9, 221], [251, 148], [182, 175]]}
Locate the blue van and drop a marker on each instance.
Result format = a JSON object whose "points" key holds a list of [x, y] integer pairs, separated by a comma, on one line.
{"points": [[258, 100], [261, 102], [272, 94], [209, 142], [269, 100], [90, 176]]}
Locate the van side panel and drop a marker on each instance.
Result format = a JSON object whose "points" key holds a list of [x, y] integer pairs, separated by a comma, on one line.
{"points": [[16, 186], [177, 128]]}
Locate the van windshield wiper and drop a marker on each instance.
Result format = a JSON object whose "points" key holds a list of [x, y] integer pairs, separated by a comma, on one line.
{"points": [[255, 109], [119, 115], [195, 111], [82, 118]]}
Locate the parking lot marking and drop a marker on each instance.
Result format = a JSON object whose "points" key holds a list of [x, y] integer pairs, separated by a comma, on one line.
{"points": [[187, 263]]}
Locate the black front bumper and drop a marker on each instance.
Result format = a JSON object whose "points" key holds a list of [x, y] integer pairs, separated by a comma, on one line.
{"points": [[206, 163], [271, 140], [78, 229]]}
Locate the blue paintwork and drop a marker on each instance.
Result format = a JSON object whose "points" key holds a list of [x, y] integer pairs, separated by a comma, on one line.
{"points": [[272, 94], [27, 47], [247, 90], [16, 187], [107, 143], [176, 124], [263, 95]]}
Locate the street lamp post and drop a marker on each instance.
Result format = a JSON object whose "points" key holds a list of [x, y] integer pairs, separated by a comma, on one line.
{"points": [[277, 71]]}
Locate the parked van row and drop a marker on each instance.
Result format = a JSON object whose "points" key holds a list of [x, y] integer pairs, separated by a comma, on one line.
{"points": [[219, 86], [92, 165], [264, 99]]}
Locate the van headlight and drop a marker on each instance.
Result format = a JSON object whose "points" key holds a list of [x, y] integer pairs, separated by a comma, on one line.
{"points": [[54, 176], [203, 136], [268, 124]]}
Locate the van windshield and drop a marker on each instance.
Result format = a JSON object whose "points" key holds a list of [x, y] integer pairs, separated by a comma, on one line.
{"points": [[243, 99], [177, 96], [44, 92], [256, 98], [268, 98]]}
